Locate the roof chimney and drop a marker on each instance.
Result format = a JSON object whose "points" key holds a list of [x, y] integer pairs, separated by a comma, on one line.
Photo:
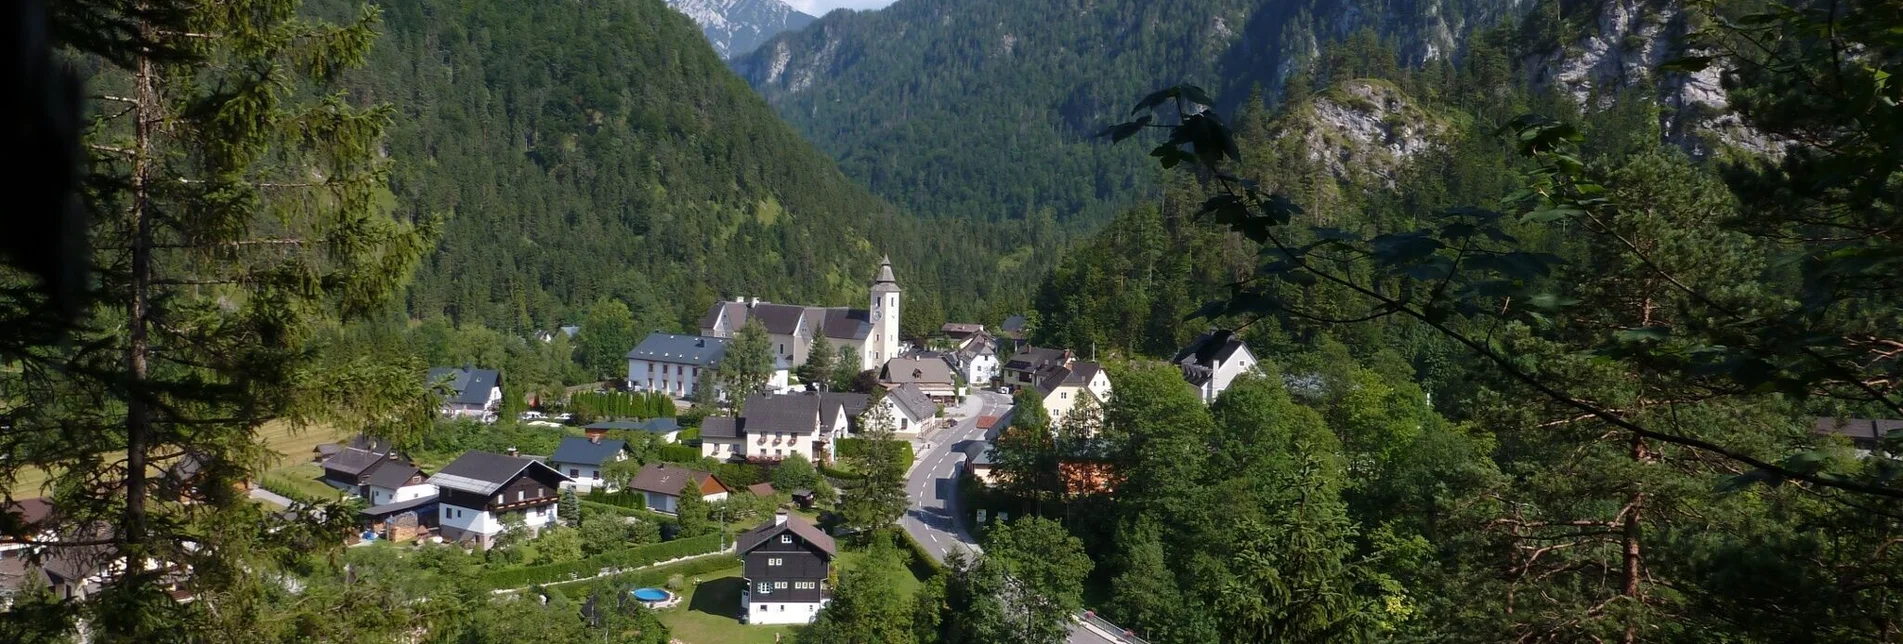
{"points": [[594, 437], [515, 452], [779, 518], [700, 342]]}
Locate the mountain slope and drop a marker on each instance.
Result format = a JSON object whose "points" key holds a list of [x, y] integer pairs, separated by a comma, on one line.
{"points": [[983, 109], [599, 148], [735, 27]]}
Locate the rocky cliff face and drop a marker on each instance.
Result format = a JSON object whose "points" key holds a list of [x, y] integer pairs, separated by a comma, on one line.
{"points": [[1622, 48], [736, 27], [1362, 131]]}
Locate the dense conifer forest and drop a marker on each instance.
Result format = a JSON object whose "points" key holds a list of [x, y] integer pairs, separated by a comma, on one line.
{"points": [[580, 151]]}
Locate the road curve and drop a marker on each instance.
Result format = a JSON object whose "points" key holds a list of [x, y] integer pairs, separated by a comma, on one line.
{"points": [[932, 488]]}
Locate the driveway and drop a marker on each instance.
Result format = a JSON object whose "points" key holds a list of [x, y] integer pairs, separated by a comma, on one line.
{"points": [[932, 486]]}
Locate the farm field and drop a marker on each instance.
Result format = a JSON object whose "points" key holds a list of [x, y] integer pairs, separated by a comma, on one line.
{"points": [[292, 445]]}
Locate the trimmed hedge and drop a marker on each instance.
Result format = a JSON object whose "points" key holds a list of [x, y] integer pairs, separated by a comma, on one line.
{"points": [[922, 561], [657, 577], [625, 507], [289, 490], [675, 453], [591, 566]]}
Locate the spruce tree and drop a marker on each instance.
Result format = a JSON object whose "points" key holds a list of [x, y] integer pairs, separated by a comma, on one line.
{"points": [[238, 209], [692, 510], [570, 507], [748, 364], [877, 497], [819, 363]]}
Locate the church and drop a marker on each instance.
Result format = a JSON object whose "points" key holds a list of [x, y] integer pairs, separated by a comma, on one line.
{"points": [[873, 332]]}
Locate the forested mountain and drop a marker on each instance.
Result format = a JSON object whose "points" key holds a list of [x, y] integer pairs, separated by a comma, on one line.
{"points": [[1538, 329], [735, 27], [983, 109], [600, 149]]}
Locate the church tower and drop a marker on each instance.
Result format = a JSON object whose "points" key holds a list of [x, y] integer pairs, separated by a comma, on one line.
{"points": [[884, 343]]}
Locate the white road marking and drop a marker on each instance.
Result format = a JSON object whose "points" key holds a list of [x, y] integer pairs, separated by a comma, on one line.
{"points": [[934, 537]]}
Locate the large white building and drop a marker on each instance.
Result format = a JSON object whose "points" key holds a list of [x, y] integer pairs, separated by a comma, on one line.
{"points": [[873, 332], [778, 426], [676, 365]]}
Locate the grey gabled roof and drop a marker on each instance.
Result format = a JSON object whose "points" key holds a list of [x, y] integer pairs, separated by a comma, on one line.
{"points": [[847, 324], [1034, 358], [667, 478], [1048, 380], [651, 425], [1013, 324], [467, 385], [484, 472], [1081, 372], [735, 311], [913, 400], [925, 370], [399, 506], [581, 451], [833, 402], [1209, 348], [791, 413], [721, 427], [961, 329], [751, 539], [979, 453], [978, 344], [352, 461], [391, 474], [697, 350], [780, 319]]}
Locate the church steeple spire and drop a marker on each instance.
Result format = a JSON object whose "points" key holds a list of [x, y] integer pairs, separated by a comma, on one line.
{"points": [[885, 282]]}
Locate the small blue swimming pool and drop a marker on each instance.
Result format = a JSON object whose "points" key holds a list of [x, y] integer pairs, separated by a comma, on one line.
{"points": [[650, 594]]}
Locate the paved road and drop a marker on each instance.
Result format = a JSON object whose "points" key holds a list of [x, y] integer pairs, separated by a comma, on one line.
{"points": [[932, 486], [262, 494]]}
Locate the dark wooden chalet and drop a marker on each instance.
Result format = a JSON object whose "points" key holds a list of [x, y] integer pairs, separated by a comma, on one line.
{"points": [[786, 561]]}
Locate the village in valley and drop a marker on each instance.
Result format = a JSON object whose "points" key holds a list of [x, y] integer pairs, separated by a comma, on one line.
{"points": [[667, 474]]}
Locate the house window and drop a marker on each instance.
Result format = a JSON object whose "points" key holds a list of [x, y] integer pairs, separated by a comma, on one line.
{"points": [[520, 494], [786, 538], [574, 472], [774, 561], [499, 497], [766, 587], [779, 585]]}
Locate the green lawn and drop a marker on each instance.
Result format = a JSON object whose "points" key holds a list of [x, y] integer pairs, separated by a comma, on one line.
{"points": [[710, 612], [901, 579], [305, 477]]}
